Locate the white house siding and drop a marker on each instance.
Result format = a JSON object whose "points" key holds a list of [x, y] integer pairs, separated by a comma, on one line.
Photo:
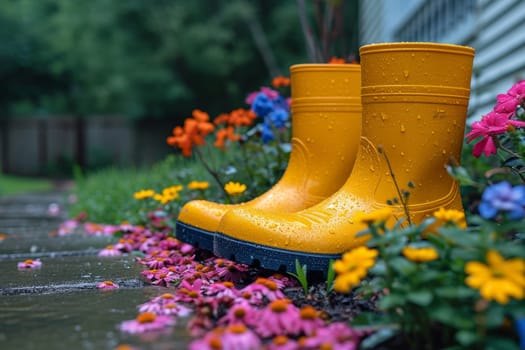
{"points": [[495, 28]]}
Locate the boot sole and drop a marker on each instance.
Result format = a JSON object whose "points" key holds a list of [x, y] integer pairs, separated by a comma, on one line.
{"points": [[195, 236], [269, 257]]}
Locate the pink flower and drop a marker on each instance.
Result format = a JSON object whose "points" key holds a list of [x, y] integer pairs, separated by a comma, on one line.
{"points": [[282, 342], [147, 322], [67, 227], [165, 305], [272, 94], [309, 321], [490, 125], [222, 289], [507, 103], [160, 277], [261, 290], [280, 317], [53, 209], [336, 336], [107, 285], [29, 264], [233, 337], [109, 251], [242, 312]]}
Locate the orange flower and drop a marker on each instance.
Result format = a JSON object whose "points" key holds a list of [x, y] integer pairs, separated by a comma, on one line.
{"points": [[225, 134], [240, 116], [193, 132], [280, 81], [337, 60], [221, 119]]}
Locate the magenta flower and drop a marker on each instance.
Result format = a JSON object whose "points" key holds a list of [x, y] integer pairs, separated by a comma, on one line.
{"points": [[165, 305], [261, 290], [67, 227], [29, 264], [160, 277], [234, 337], [147, 322], [107, 285], [509, 102], [280, 317], [336, 336], [282, 342], [110, 251], [222, 289], [489, 126], [309, 321], [241, 312]]}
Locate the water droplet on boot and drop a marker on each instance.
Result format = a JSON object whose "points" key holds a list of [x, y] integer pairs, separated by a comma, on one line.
{"points": [[405, 73], [403, 129]]}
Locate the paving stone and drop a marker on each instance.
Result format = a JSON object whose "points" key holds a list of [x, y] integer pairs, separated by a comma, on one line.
{"points": [[81, 320], [59, 306]]}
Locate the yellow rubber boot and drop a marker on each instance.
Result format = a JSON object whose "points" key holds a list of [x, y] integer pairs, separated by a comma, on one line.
{"points": [[326, 109], [415, 98]]}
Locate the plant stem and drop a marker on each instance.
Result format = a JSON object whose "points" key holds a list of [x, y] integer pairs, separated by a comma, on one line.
{"points": [[212, 172], [393, 175]]}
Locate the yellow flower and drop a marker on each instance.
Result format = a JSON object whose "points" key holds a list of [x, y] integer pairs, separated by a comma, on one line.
{"points": [[375, 217], [353, 267], [198, 185], [234, 188], [142, 194], [448, 216], [499, 279], [424, 254]]}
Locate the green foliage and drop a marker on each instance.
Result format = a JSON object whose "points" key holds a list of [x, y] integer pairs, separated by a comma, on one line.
{"points": [[107, 196], [430, 300], [14, 185], [140, 58], [300, 274]]}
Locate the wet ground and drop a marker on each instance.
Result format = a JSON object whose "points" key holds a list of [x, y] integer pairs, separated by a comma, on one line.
{"points": [[59, 306]]}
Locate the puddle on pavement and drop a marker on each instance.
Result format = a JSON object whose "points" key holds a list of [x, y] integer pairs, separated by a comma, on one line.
{"points": [[86, 319], [28, 240], [79, 272]]}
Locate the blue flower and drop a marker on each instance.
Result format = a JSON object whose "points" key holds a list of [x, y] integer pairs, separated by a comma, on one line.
{"points": [[520, 329], [267, 133], [278, 117], [262, 105], [503, 198]]}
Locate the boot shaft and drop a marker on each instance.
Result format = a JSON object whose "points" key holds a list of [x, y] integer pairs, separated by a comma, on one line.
{"points": [[415, 99], [326, 125]]}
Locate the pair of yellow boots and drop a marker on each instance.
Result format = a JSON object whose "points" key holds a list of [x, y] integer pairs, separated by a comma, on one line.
{"points": [[407, 100]]}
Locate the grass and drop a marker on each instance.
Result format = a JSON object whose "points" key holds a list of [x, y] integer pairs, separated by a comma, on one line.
{"points": [[10, 185], [107, 195]]}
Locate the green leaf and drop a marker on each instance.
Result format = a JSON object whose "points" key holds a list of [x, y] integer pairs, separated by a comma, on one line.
{"points": [[452, 316], [402, 265], [421, 298], [498, 343], [455, 292], [377, 338], [466, 338], [391, 300]]}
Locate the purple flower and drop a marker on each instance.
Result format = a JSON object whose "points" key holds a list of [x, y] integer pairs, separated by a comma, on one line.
{"points": [[165, 305], [147, 322], [233, 337], [505, 199], [107, 285], [279, 317], [29, 264], [110, 251]]}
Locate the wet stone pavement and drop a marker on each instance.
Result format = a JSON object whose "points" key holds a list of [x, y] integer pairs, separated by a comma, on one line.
{"points": [[59, 306]]}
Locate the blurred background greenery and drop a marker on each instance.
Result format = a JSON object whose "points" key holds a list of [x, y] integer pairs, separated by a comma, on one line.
{"points": [[146, 64]]}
